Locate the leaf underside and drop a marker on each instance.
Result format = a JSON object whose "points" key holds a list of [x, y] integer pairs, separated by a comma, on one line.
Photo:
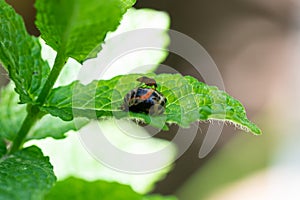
{"points": [[188, 100]]}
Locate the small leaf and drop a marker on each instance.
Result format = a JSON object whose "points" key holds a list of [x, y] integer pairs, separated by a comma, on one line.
{"points": [[12, 115], [20, 54], [82, 189], [188, 100], [26, 174], [77, 27]]}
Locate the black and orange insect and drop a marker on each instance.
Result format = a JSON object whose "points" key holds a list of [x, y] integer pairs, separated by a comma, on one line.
{"points": [[145, 99]]}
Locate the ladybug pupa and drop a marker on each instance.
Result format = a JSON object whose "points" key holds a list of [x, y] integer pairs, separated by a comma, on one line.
{"points": [[145, 99]]}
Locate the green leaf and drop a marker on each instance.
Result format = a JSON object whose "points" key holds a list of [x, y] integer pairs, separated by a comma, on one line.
{"points": [[77, 27], [26, 174], [103, 190], [82, 189], [20, 54], [149, 59], [12, 115], [188, 100], [54, 127]]}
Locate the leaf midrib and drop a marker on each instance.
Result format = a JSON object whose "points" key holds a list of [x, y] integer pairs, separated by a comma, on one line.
{"points": [[70, 22]]}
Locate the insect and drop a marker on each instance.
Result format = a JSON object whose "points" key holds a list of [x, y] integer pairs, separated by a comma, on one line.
{"points": [[144, 99]]}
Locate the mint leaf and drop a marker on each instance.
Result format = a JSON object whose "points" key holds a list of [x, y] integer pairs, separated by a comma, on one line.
{"points": [[188, 100], [12, 115], [149, 59], [103, 190], [20, 54], [82, 189], [77, 27], [26, 174]]}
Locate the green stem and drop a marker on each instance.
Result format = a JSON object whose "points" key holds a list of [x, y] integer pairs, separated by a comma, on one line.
{"points": [[34, 112], [59, 63], [29, 121]]}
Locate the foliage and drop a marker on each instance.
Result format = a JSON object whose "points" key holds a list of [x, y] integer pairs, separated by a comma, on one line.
{"points": [[26, 174], [30, 105], [89, 190], [20, 55], [188, 100]]}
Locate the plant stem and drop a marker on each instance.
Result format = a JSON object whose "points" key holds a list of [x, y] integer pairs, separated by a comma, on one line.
{"points": [[34, 112], [60, 61], [29, 121]]}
